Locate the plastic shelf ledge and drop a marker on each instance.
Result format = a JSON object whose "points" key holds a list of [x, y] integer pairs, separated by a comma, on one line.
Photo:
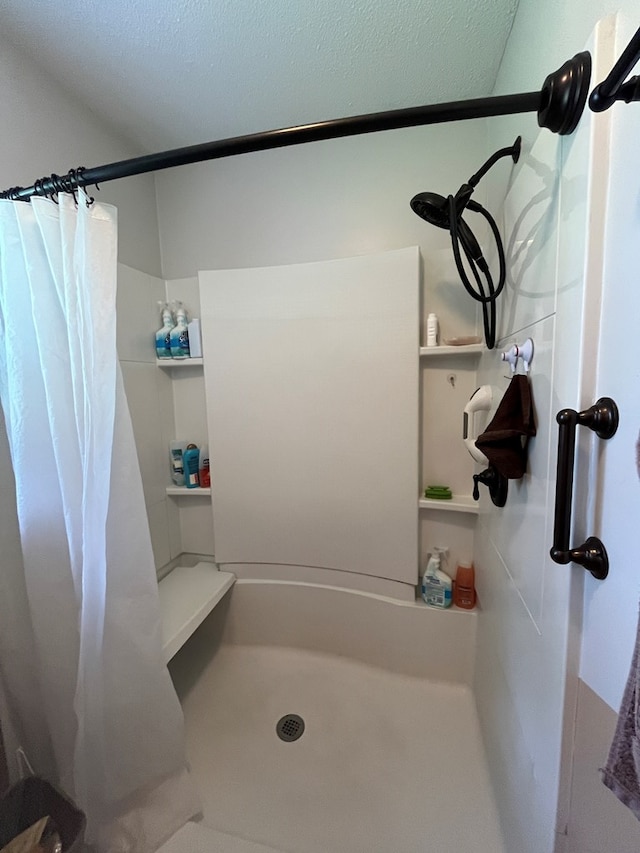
{"points": [[184, 492], [468, 349], [458, 503], [187, 597], [172, 363]]}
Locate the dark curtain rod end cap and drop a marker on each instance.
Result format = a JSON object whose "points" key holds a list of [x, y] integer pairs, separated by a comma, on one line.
{"points": [[564, 95]]}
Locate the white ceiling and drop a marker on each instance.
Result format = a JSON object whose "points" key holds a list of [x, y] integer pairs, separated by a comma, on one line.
{"points": [[169, 73]]}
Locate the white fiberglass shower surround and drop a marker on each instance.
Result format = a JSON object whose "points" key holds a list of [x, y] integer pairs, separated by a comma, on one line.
{"points": [[524, 697], [314, 397]]}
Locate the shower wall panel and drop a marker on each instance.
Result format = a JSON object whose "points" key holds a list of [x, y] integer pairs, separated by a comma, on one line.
{"points": [[528, 627], [311, 375], [150, 400], [521, 654]]}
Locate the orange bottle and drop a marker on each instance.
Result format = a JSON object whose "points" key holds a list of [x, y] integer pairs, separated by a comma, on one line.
{"points": [[464, 594]]}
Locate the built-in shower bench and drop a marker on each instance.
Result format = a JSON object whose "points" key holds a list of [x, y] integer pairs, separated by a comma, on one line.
{"points": [[196, 838], [187, 597]]}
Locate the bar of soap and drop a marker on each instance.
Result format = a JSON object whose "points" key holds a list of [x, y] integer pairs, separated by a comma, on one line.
{"points": [[439, 493]]}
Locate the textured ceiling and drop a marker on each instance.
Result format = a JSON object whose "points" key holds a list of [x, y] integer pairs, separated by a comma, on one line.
{"points": [[168, 73]]}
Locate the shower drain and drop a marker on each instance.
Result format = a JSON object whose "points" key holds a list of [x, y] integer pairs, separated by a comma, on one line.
{"points": [[290, 727]]}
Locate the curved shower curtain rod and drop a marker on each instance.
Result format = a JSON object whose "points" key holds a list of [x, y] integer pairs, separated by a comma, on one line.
{"points": [[559, 105]]}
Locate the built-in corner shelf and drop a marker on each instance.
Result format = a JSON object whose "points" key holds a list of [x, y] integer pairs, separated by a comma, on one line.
{"points": [[184, 492], [453, 608], [467, 349], [187, 597], [458, 503], [178, 363]]}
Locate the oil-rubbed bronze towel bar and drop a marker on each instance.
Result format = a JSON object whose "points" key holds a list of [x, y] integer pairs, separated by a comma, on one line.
{"points": [[602, 418]]}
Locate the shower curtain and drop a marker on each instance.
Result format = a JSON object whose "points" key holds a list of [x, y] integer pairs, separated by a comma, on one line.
{"points": [[85, 687]]}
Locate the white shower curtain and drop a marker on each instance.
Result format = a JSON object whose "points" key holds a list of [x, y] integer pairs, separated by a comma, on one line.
{"points": [[86, 686]]}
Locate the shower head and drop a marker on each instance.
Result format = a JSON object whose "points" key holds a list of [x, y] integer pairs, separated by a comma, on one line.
{"points": [[432, 208], [435, 209], [446, 212]]}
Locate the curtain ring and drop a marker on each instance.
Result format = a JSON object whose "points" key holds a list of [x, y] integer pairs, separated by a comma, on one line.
{"points": [[79, 173], [71, 184], [11, 194], [54, 180]]}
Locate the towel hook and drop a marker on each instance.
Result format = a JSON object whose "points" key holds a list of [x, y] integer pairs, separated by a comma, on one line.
{"points": [[523, 351]]}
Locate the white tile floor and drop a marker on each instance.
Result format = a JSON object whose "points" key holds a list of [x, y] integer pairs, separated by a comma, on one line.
{"points": [[387, 763]]}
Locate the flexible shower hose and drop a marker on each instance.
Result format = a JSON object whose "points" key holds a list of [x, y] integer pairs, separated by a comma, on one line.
{"points": [[485, 293]]}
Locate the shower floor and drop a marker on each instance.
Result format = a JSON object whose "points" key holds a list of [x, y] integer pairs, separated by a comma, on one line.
{"points": [[387, 763]]}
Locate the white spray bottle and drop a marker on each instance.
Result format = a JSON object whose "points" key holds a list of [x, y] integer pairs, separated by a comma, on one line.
{"points": [[437, 586]]}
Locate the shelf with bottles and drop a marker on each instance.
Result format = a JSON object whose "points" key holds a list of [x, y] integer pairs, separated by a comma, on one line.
{"points": [[453, 608], [184, 492], [179, 363], [179, 337], [457, 503], [189, 466]]}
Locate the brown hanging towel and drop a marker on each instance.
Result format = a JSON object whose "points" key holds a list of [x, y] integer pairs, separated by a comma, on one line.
{"points": [[622, 771], [504, 442]]}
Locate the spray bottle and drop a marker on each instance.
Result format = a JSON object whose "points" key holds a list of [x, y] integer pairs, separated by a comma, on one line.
{"points": [[437, 586]]}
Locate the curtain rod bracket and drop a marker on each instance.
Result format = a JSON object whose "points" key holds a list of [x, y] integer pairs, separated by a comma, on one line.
{"points": [[614, 88]]}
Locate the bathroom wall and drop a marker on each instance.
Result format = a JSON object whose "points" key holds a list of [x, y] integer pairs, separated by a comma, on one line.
{"points": [[327, 200], [45, 130], [521, 678]]}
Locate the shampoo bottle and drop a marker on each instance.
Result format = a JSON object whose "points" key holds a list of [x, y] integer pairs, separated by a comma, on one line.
{"points": [[180, 334], [163, 335], [436, 584], [191, 464]]}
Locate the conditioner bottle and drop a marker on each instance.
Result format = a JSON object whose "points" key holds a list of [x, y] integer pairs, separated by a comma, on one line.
{"points": [[203, 471], [465, 589]]}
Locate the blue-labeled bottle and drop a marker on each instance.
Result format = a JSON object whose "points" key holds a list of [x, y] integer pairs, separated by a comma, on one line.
{"points": [[163, 335], [191, 458], [437, 586], [180, 334]]}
